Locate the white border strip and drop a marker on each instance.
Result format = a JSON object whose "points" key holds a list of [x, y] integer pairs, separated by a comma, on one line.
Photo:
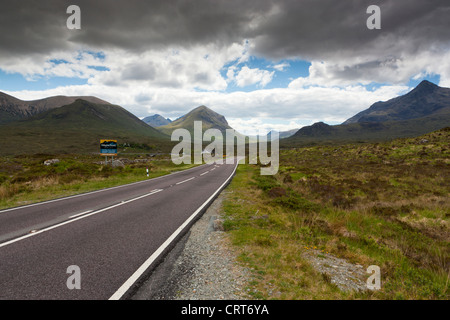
{"points": [[138, 273]]}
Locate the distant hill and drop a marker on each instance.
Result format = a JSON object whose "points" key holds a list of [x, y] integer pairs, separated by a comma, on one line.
{"points": [[78, 127], [209, 118], [287, 134], [427, 99], [156, 120], [425, 109], [318, 129], [321, 133], [12, 109], [283, 134]]}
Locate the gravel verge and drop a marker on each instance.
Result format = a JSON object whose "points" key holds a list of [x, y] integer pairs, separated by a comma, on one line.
{"points": [[202, 265]]}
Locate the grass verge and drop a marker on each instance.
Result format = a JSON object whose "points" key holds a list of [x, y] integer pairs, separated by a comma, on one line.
{"points": [[25, 179], [374, 204]]}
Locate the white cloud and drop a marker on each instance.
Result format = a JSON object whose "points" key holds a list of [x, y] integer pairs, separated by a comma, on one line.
{"points": [[261, 126], [275, 107], [392, 70], [247, 76], [76, 64], [281, 66], [172, 82], [196, 68]]}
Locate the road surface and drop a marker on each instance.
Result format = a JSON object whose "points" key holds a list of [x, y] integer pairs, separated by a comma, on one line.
{"points": [[112, 236]]}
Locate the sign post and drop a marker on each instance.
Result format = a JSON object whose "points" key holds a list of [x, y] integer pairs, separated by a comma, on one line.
{"points": [[108, 148]]}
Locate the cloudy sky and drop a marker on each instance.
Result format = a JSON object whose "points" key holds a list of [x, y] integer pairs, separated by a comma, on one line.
{"points": [[262, 64]]}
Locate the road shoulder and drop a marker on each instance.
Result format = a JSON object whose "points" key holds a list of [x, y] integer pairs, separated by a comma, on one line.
{"points": [[201, 266]]}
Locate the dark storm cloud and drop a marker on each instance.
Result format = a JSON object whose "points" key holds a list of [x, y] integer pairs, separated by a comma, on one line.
{"points": [[322, 29], [141, 24], [29, 26], [279, 29]]}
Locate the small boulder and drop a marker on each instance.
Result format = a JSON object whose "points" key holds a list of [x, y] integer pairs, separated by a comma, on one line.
{"points": [[50, 162], [218, 225], [117, 163]]}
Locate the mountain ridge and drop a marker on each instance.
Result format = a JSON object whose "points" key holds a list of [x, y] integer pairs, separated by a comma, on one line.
{"points": [[424, 109], [156, 120], [427, 99], [210, 119], [12, 108]]}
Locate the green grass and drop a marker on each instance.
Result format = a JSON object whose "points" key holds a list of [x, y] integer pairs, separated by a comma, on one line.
{"points": [[25, 179], [384, 204]]}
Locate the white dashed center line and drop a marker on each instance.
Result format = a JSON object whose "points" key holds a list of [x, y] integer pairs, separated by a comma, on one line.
{"points": [[76, 218], [185, 180], [80, 214]]}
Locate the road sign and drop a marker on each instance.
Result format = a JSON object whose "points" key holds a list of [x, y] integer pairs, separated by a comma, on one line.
{"points": [[108, 147]]}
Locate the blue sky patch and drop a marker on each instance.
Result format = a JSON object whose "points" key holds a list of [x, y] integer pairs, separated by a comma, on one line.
{"points": [[284, 72], [17, 82]]}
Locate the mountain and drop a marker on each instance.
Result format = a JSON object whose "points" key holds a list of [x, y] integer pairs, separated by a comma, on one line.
{"points": [[425, 109], [209, 118], [427, 99], [77, 127], [283, 134], [156, 120], [287, 134], [316, 130], [321, 133], [12, 109]]}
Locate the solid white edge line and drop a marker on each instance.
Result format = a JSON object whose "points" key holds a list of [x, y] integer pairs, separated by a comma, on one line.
{"points": [[185, 180], [4, 244], [138, 273], [96, 191]]}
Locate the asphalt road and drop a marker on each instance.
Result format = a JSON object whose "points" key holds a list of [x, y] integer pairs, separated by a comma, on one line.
{"points": [[114, 236]]}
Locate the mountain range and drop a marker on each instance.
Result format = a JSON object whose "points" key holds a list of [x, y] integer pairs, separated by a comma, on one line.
{"points": [[78, 128], [76, 124], [12, 109], [424, 109]]}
